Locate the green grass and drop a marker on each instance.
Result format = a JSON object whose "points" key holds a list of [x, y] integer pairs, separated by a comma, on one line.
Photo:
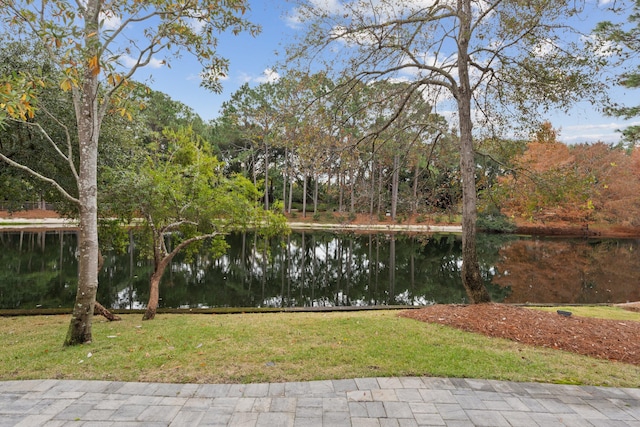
{"points": [[597, 311], [276, 347]]}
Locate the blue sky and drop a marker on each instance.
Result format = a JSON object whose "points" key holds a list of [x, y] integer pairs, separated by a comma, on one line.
{"points": [[250, 61], [252, 58]]}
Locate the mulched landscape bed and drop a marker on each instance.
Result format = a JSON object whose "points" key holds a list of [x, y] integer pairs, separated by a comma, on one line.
{"points": [[605, 339]]}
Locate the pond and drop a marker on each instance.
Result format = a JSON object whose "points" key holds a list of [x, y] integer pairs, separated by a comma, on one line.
{"points": [[314, 269]]}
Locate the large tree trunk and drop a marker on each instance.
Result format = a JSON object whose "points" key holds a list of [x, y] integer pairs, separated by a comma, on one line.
{"points": [[82, 316], [471, 278], [88, 121]]}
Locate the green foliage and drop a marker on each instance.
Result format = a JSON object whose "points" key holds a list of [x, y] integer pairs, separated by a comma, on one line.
{"points": [[492, 220], [187, 203], [113, 235], [25, 141], [87, 57], [158, 111], [18, 97], [623, 41], [180, 191]]}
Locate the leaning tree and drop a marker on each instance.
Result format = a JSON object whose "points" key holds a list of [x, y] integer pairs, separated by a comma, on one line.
{"points": [[488, 63], [97, 46], [179, 189]]}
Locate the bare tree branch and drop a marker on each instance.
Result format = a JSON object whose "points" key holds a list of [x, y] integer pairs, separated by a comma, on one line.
{"points": [[31, 172]]}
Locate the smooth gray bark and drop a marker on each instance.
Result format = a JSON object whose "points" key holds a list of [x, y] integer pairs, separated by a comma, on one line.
{"points": [[471, 278]]}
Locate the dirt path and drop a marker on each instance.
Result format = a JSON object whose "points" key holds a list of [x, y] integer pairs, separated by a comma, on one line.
{"points": [[418, 223]]}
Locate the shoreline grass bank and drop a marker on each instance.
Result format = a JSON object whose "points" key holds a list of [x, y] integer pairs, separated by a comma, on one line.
{"points": [[278, 347]]}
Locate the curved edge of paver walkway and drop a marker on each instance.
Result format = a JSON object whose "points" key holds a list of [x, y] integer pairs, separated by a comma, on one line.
{"points": [[396, 401]]}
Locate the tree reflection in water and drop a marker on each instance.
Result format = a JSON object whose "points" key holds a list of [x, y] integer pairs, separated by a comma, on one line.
{"points": [[576, 271], [327, 269]]}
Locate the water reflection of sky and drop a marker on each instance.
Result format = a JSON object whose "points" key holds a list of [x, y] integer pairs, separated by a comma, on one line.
{"points": [[324, 269]]}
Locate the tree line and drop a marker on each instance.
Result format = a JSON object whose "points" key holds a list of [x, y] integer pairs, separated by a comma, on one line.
{"points": [[361, 133]]}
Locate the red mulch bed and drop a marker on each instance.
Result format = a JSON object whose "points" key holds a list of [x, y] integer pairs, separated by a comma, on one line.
{"points": [[605, 339]]}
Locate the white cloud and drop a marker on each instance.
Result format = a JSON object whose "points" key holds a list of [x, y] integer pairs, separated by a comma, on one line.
{"points": [[129, 62], [196, 24], [110, 21], [355, 38], [245, 78], [544, 48], [296, 17], [328, 6], [382, 9], [268, 76], [605, 132], [593, 127], [601, 47]]}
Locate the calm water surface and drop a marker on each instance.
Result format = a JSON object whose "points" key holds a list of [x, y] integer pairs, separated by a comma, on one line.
{"points": [[327, 269]]}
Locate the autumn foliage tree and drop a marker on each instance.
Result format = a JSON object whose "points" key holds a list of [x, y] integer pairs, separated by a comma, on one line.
{"points": [[577, 184]]}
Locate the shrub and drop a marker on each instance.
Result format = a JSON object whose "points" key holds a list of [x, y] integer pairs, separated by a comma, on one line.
{"points": [[492, 220]]}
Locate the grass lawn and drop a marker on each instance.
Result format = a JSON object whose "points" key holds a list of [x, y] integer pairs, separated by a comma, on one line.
{"points": [[596, 311], [273, 347]]}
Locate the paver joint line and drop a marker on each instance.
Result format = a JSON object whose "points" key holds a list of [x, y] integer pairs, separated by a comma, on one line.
{"points": [[397, 401]]}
